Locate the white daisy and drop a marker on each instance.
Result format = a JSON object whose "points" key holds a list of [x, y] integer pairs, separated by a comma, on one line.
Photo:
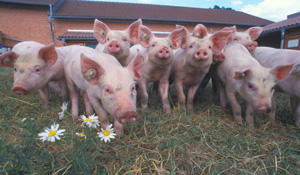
{"points": [[91, 121], [107, 134], [81, 134], [52, 133], [64, 108]]}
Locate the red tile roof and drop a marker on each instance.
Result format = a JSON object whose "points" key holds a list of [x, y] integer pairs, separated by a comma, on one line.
{"points": [[32, 2], [112, 10], [282, 24]]}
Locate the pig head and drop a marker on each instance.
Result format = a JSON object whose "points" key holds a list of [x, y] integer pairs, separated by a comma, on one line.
{"points": [[35, 65], [116, 43]]}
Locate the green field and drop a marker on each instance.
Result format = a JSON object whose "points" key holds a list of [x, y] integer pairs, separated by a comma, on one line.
{"points": [[206, 141]]}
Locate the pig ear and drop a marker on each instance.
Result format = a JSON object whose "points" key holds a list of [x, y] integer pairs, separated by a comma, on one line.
{"points": [[48, 54], [219, 40], [229, 29], [137, 65], [281, 71], [296, 70], [200, 31], [176, 36], [185, 36], [145, 35], [254, 32], [100, 31], [133, 31], [239, 75], [90, 69], [7, 59]]}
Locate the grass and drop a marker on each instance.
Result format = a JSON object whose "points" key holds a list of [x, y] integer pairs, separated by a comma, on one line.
{"points": [[206, 141]]}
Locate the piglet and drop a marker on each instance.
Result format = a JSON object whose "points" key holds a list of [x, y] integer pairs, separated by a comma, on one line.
{"points": [[158, 63], [243, 75], [192, 62], [271, 57], [116, 43], [109, 86], [35, 65]]}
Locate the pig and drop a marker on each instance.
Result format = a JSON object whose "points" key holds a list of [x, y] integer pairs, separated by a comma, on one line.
{"points": [[35, 65], [110, 87], [116, 43], [271, 57], [158, 63], [242, 74], [246, 38], [193, 60]]}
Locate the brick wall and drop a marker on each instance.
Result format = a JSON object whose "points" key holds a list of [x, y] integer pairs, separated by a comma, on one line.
{"points": [[29, 22], [24, 22]]}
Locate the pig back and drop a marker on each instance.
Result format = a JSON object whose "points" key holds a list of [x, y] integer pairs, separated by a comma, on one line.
{"points": [[271, 57]]}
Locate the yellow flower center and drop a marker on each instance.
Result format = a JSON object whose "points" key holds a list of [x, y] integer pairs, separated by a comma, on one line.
{"points": [[88, 119], [106, 133], [81, 134], [52, 133]]}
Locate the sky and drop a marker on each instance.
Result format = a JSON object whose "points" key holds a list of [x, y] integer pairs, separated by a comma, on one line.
{"points": [[273, 10]]}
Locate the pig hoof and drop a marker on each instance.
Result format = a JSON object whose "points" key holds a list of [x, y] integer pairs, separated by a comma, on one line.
{"points": [[167, 110], [144, 106]]}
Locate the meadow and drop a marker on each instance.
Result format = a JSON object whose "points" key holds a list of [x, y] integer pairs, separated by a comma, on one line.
{"points": [[205, 141]]}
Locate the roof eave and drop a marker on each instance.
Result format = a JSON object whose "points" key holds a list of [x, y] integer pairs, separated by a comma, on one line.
{"points": [[154, 19], [27, 3], [281, 28], [89, 39]]}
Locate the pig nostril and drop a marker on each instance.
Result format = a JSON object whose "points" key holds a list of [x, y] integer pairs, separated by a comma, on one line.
{"points": [[205, 53]]}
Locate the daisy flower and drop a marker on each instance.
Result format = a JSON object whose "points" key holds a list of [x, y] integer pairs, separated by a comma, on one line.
{"points": [[64, 108], [81, 134], [52, 133], [107, 134], [91, 121]]}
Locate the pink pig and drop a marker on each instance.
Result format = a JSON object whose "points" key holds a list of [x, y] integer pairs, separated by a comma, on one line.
{"points": [[158, 63], [116, 43], [192, 62], [35, 65], [242, 74], [271, 57], [110, 87], [245, 38]]}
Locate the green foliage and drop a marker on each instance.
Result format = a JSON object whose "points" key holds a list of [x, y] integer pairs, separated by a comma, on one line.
{"points": [[222, 8], [205, 141]]}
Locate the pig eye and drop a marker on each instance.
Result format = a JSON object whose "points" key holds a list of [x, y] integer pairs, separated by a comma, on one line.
{"points": [[153, 45], [133, 88], [251, 87], [191, 46], [108, 90], [15, 69], [124, 39], [107, 39], [235, 39], [209, 47], [37, 69]]}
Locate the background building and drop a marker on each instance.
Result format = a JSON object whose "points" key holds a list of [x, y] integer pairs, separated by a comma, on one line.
{"points": [[66, 22]]}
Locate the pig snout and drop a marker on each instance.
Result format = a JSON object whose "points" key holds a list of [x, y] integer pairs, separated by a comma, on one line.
{"points": [[219, 57], [114, 47], [201, 54], [20, 90], [252, 46], [163, 53], [128, 117], [264, 109]]}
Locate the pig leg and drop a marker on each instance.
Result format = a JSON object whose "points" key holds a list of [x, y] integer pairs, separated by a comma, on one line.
{"points": [[249, 115], [295, 104], [180, 93], [191, 94], [74, 97], [119, 128], [88, 106], [271, 115], [64, 90], [222, 93], [164, 90], [100, 111], [236, 107], [144, 94], [44, 93]]}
